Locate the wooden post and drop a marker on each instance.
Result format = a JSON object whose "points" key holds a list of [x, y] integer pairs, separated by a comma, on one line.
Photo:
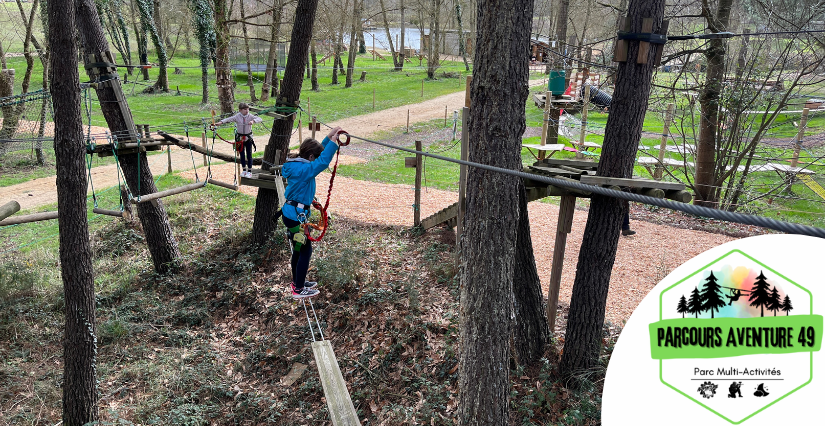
{"points": [[801, 134], [467, 91], [203, 144], [445, 115], [566, 208], [313, 126], [300, 131], [169, 159], [9, 209], [657, 173], [462, 174], [583, 135], [373, 49], [28, 218], [545, 125], [422, 88], [419, 166], [408, 121]]}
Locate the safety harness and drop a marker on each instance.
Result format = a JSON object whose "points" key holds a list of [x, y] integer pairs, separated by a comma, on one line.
{"points": [[302, 232]]}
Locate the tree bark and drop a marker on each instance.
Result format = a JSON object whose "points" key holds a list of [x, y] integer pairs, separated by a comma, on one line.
{"points": [[395, 58], [250, 81], [498, 91], [530, 332], [267, 200], [314, 56], [272, 57], [203, 25], [561, 35], [80, 343], [226, 90], [159, 237], [403, 48], [140, 37], [146, 13], [601, 235], [706, 146], [432, 56], [462, 48], [353, 42]]}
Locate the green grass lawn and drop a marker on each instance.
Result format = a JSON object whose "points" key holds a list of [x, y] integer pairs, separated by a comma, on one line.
{"points": [[330, 102]]}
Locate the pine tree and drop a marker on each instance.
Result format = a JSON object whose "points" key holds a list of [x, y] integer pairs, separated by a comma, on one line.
{"points": [[695, 302], [683, 307], [760, 293], [775, 301], [787, 306], [712, 295]]}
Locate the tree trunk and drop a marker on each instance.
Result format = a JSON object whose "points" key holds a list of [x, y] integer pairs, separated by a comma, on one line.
{"points": [[353, 42], [267, 200], [162, 84], [140, 37], [314, 57], [403, 48], [250, 81], [159, 238], [79, 343], [462, 48], [706, 147], [272, 58], [499, 90], [10, 116], [28, 22], [432, 56], [203, 21], [395, 58], [226, 90], [601, 235], [556, 62], [530, 331]]}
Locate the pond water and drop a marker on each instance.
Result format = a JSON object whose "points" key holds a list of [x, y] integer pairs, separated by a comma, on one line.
{"points": [[412, 38]]}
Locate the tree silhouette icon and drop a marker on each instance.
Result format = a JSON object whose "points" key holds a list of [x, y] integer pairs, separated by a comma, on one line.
{"points": [[760, 293], [683, 307], [695, 302], [711, 296], [787, 306], [775, 301]]}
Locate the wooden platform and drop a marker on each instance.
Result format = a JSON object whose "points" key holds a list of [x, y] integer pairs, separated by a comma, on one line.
{"points": [[341, 410], [261, 180]]}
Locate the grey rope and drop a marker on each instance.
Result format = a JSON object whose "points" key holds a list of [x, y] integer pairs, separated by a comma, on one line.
{"points": [[787, 227]]}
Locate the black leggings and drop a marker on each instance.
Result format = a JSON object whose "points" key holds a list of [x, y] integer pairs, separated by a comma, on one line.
{"points": [[300, 259]]}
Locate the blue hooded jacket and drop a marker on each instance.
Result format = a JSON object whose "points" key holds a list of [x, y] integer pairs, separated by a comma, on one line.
{"points": [[300, 174]]}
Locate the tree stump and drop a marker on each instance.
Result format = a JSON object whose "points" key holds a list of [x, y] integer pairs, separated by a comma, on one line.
{"points": [[178, 71], [363, 76]]}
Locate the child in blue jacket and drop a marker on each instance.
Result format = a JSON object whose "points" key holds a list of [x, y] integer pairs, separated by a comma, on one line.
{"points": [[300, 171]]}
